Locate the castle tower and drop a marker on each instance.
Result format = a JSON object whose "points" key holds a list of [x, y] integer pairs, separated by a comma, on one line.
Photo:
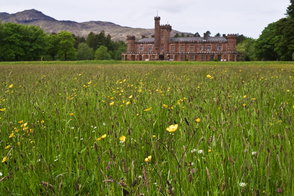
{"points": [[165, 37], [231, 40], [130, 43], [157, 34]]}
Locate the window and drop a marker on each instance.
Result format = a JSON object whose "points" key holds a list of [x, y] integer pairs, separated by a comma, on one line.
{"points": [[219, 47], [201, 48], [208, 47], [150, 47], [192, 48], [182, 48], [162, 48], [182, 57], [146, 56], [140, 48], [153, 56], [212, 57], [162, 36], [192, 57], [202, 57], [172, 48]]}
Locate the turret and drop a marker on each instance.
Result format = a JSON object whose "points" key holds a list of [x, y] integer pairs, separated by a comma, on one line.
{"points": [[157, 34], [231, 40], [130, 43]]}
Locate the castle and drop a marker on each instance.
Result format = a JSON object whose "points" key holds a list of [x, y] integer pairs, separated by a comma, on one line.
{"points": [[163, 47]]}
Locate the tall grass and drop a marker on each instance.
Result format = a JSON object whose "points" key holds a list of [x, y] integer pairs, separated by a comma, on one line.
{"points": [[62, 126]]}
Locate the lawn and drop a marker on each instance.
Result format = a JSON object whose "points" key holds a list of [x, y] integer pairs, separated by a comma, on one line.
{"points": [[152, 128]]}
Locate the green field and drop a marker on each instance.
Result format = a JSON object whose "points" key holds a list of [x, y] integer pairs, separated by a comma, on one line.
{"points": [[100, 128]]}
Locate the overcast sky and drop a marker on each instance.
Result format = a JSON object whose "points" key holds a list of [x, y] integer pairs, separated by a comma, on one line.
{"points": [[247, 17]]}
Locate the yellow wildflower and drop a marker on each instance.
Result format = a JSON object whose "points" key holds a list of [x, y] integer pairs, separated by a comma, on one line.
{"points": [[27, 123], [11, 135], [104, 136], [146, 160], [198, 120], [122, 138], [71, 114], [172, 128], [209, 150], [128, 102], [20, 122], [2, 109], [4, 159], [146, 110], [244, 104], [18, 143], [112, 103], [165, 106], [245, 96], [130, 97], [154, 136], [98, 139], [10, 86], [7, 147]]}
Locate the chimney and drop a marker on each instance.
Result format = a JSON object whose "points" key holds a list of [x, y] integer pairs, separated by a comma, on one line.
{"points": [[153, 36], [143, 36], [223, 35], [204, 35]]}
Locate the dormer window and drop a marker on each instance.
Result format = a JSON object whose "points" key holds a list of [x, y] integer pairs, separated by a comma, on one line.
{"points": [[140, 48]]}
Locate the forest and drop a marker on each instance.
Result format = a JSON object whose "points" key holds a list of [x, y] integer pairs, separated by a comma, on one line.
{"points": [[31, 43]]}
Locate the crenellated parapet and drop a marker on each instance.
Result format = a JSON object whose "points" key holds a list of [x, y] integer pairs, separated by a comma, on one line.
{"points": [[130, 37], [233, 36], [166, 26]]}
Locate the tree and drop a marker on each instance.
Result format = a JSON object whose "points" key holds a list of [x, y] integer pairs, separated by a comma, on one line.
{"points": [[240, 38], [247, 49], [196, 34], [176, 35], [217, 35], [208, 33], [53, 45], [34, 43], [78, 40], [102, 53], [91, 41], [182, 34], [66, 45], [84, 52]]}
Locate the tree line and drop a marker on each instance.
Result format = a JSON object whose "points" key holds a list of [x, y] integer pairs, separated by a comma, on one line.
{"points": [[276, 41], [31, 43]]}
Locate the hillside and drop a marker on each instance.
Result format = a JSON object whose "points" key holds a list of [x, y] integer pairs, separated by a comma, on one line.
{"points": [[50, 25]]}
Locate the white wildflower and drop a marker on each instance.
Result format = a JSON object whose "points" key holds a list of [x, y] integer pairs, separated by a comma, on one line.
{"points": [[242, 184], [254, 153], [200, 151]]}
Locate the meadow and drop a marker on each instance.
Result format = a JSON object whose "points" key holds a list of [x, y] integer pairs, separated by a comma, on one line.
{"points": [[146, 128]]}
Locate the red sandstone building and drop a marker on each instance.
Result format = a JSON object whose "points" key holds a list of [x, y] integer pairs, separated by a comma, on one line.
{"points": [[163, 47]]}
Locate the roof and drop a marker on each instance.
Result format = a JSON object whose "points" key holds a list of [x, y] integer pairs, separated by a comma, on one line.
{"points": [[146, 40], [187, 39]]}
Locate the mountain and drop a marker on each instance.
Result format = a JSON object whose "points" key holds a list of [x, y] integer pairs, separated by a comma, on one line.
{"points": [[51, 25]]}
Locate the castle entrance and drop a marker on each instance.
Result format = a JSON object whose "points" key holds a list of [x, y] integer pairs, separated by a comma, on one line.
{"points": [[161, 57]]}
